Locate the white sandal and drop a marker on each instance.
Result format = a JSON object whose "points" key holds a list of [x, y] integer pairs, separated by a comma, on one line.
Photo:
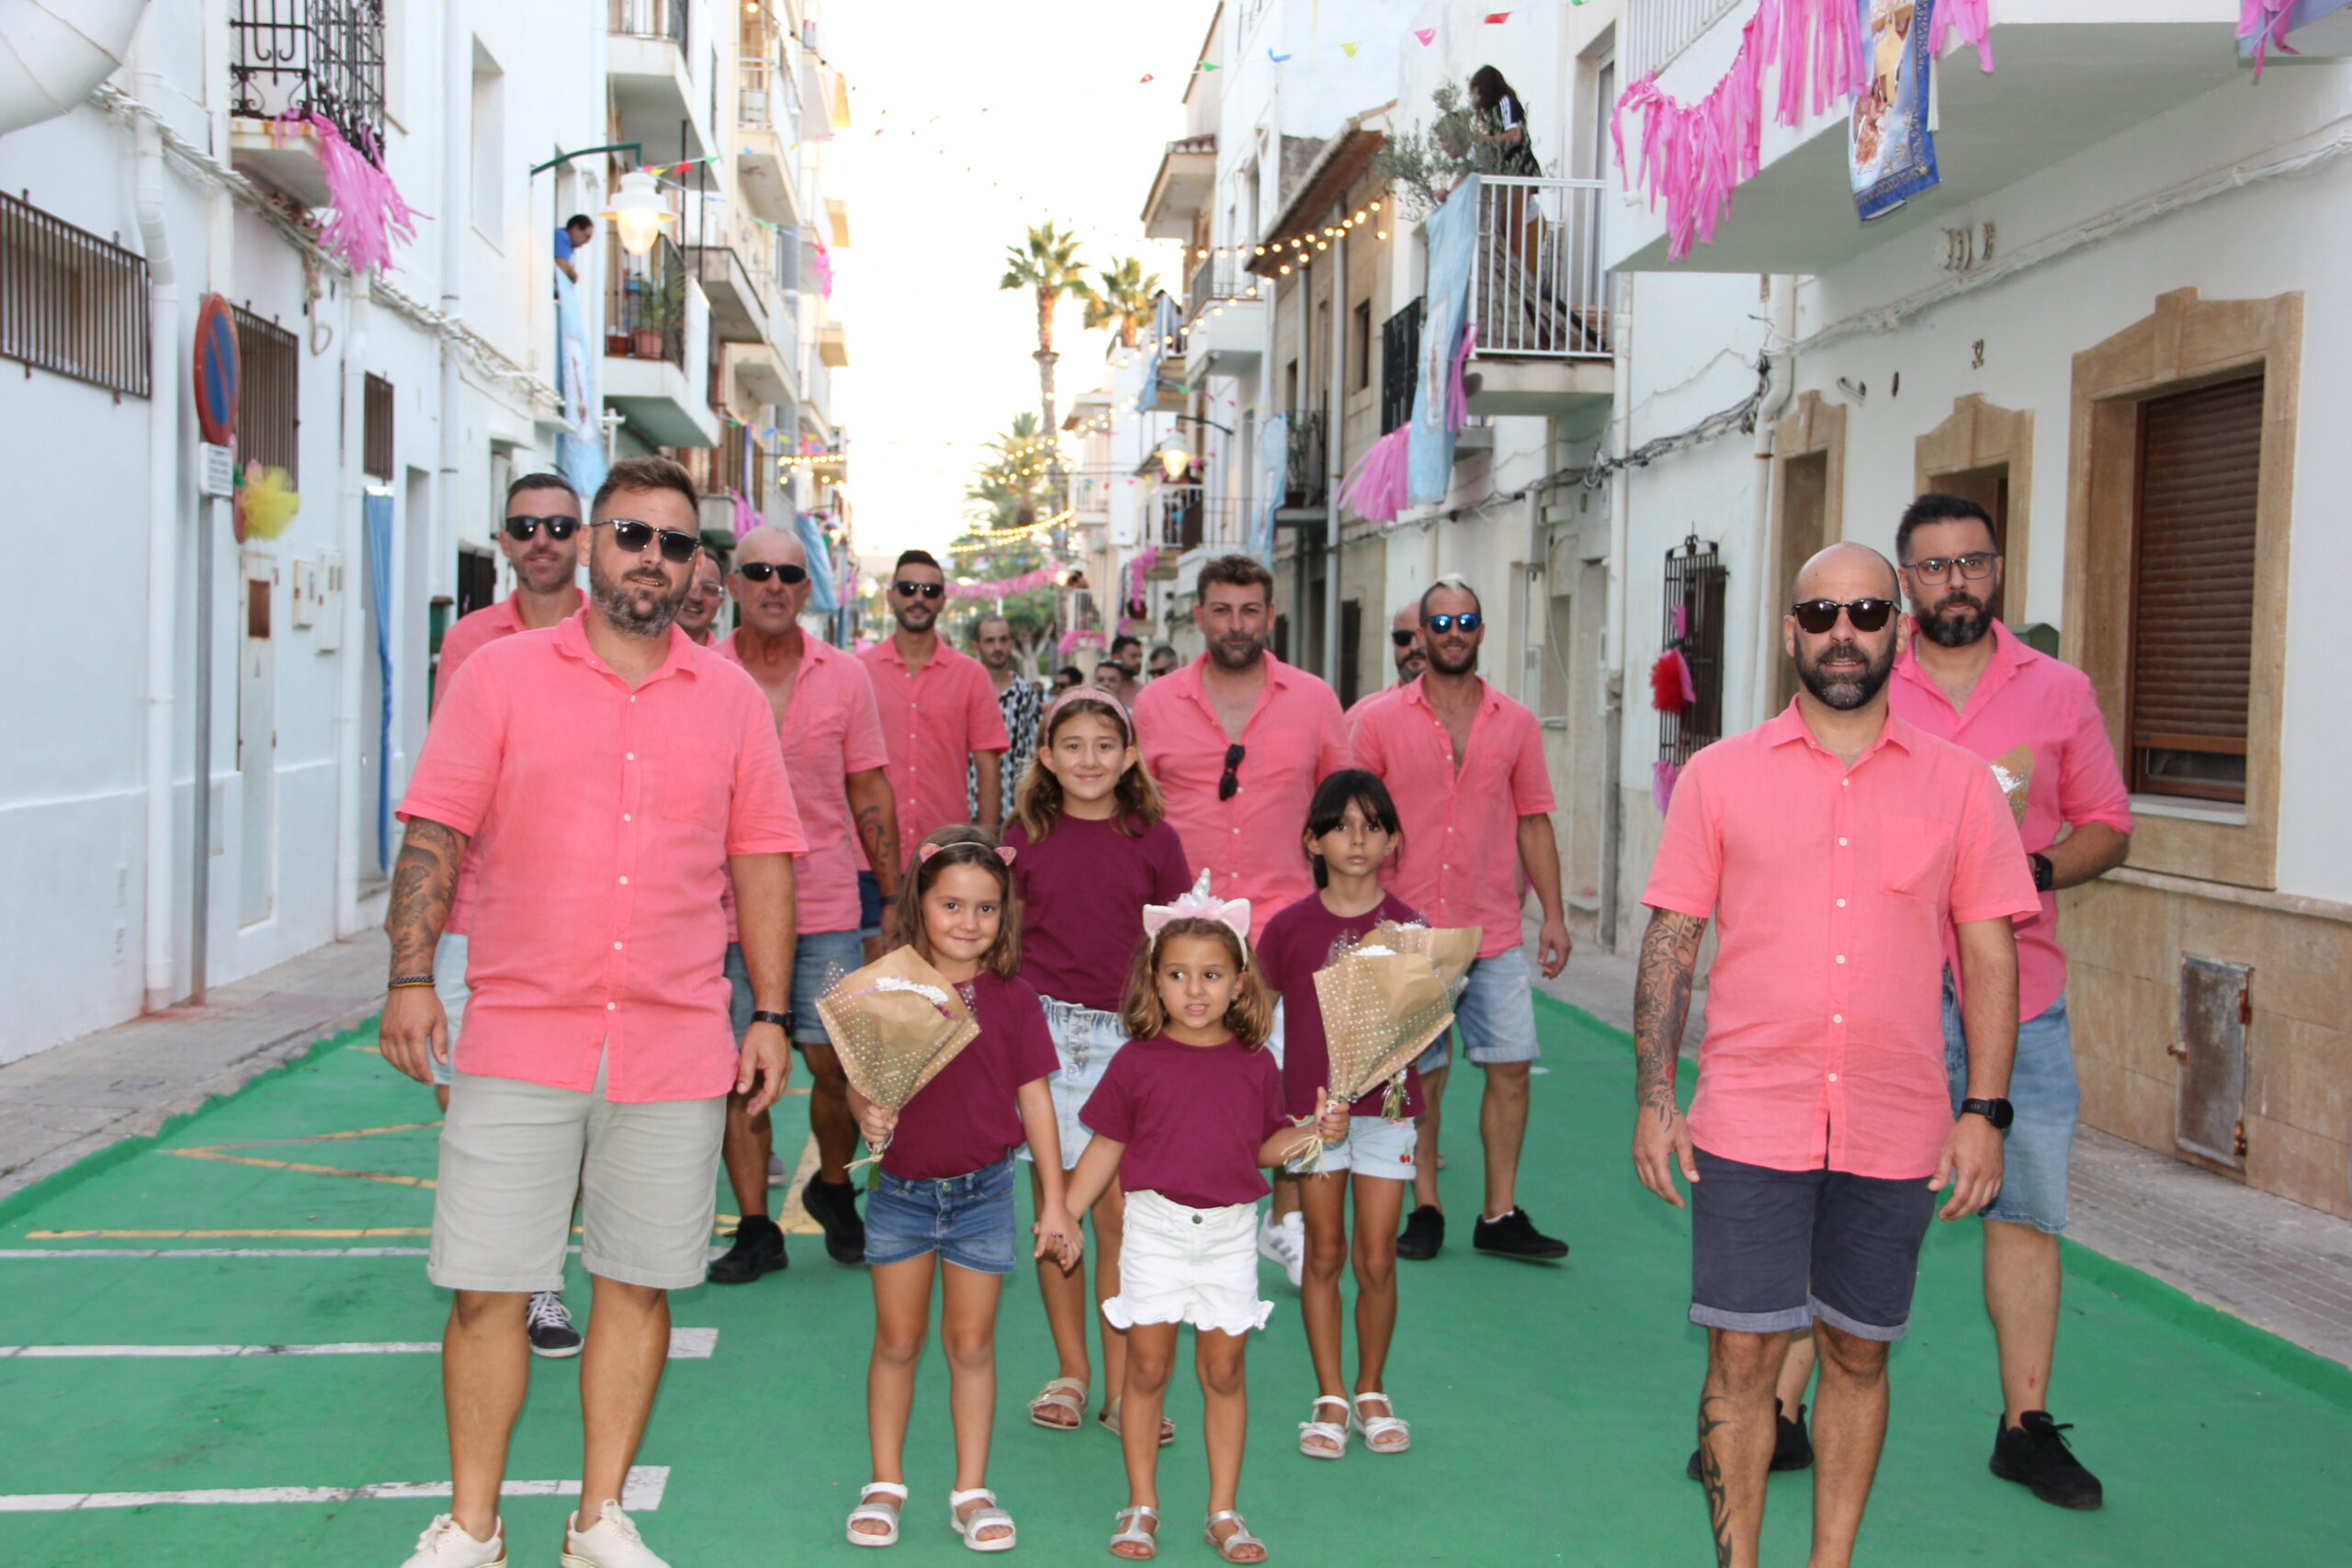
{"points": [[1109, 1422], [1062, 1394], [884, 1513], [1134, 1534], [1336, 1432], [1238, 1538], [1375, 1427], [969, 1526]]}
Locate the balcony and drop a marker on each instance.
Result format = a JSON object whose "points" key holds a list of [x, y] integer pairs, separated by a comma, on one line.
{"points": [[296, 58], [657, 321], [1225, 319], [652, 87], [759, 373], [767, 110], [2072, 75], [832, 344], [1307, 474], [1538, 296], [738, 313]]}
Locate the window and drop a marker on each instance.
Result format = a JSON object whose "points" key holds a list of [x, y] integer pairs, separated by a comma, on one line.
{"points": [[1400, 353], [71, 302], [2192, 589], [489, 146], [376, 457], [1351, 641], [269, 384], [1360, 347], [1694, 626]]}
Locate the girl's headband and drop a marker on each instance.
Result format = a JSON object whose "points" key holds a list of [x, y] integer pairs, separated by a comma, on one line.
{"points": [[1003, 852], [1092, 693], [1200, 904]]}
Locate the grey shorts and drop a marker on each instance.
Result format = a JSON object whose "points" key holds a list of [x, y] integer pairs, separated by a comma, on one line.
{"points": [[2040, 1145], [515, 1155], [1495, 1014], [819, 958], [1772, 1251]]}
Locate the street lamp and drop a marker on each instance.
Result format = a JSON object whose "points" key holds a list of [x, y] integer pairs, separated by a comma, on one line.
{"points": [[638, 212]]}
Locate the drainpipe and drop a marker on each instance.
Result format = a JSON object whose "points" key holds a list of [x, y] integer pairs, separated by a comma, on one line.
{"points": [[1612, 720], [457, 197], [352, 533], [1782, 366], [1334, 460], [163, 541]]}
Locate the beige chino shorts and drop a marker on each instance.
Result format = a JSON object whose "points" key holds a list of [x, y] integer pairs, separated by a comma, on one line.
{"points": [[514, 1156]]}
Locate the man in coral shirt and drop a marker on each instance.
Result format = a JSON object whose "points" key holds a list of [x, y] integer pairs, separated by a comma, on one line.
{"points": [[1465, 765], [1964, 675], [617, 776], [939, 713], [1405, 643], [1836, 844]]}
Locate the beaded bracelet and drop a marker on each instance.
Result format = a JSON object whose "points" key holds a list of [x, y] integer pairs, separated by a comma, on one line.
{"points": [[403, 982]]}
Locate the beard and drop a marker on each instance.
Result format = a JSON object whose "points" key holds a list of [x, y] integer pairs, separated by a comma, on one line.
{"points": [[1468, 662], [1236, 650], [1409, 665], [1849, 687], [917, 616], [1959, 619], [640, 603], [543, 574]]}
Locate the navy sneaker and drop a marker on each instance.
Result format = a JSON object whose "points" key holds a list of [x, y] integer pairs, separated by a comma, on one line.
{"points": [[550, 1327]]}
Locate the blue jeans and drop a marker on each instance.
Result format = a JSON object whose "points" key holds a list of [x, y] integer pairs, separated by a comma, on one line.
{"points": [[968, 1220], [1495, 1013], [818, 959], [2046, 1098]]}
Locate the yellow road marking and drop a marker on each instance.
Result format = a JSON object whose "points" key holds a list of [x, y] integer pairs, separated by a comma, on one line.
{"points": [[315, 1137], [792, 1218], [223, 1234], [304, 1169]]}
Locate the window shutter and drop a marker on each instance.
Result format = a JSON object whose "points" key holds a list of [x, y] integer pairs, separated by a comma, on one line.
{"points": [[2193, 607]]}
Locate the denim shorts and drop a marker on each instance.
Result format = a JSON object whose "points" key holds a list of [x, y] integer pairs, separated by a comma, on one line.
{"points": [[968, 1220], [869, 905], [1085, 1040], [449, 985], [1773, 1250], [2046, 1098], [1495, 1014], [1374, 1146], [818, 959]]}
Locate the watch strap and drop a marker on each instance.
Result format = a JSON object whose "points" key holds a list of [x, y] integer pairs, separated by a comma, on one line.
{"points": [[783, 1021]]}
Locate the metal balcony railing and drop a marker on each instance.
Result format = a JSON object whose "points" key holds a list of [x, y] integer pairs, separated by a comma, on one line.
{"points": [[1657, 30], [295, 57], [1400, 357], [1186, 517], [754, 87], [650, 19], [1307, 475], [645, 302], [1219, 277], [1538, 288]]}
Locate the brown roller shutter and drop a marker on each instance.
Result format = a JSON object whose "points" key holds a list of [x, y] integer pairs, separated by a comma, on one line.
{"points": [[2192, 599]]}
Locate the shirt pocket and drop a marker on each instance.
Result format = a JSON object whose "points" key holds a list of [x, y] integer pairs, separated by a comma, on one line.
{"points": [[1915, 856], [700, 785]]}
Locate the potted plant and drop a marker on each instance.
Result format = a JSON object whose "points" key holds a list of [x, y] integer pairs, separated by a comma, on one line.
{"points": [[661, 306]]}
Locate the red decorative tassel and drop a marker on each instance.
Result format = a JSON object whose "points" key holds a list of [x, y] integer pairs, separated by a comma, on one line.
{"points": [[1671, 683]]}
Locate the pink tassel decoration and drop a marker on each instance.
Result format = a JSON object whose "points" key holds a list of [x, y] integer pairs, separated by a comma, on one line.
{"points": [[1663, 776], [1376, 489], [366, 213], [2265, 21], [1971, 18]]}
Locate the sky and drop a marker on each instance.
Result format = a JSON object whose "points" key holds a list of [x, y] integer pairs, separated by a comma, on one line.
{"points": [[990, 118]]}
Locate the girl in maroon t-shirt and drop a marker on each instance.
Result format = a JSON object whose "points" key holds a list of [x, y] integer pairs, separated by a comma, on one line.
{"points": [[1188, 1114], [944, 1189], [1352, 836]]}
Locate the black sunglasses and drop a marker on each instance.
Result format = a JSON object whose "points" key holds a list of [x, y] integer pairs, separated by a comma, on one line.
{"points": [[783, 571], [522, 529], [1402, 639], [928, 590], [1469, 621], [1818, 615], [1227, 785], [633, 536]]}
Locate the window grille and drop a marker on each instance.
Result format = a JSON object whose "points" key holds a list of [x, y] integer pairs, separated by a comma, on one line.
{"points": [[293, 57], [377, 454], [269, 384], [1694, 625], [71, 302], [1400, 354]]}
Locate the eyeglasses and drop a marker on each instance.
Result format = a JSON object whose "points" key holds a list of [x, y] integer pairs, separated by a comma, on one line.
{"points": [[633, 536], [521, 530], [1976, 566], [1227, 785], [783, 571], [1818, 615], [1469, 621], [1402, 639], [909, 590]]}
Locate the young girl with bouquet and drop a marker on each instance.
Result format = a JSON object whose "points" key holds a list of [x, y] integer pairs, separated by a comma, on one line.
{"points": [[1091, 849], [1187, 1117], [1351, 835], [944, 1192]]}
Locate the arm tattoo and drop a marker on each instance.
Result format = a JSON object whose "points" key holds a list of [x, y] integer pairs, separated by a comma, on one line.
{"points": [[1710, 1475], [423, 881], [874, 835], [1662, 1005]]}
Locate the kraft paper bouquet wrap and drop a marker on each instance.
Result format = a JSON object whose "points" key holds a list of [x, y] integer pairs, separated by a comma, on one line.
{"points": [[896, 1025], [1383, 1003], [1451, 949]]}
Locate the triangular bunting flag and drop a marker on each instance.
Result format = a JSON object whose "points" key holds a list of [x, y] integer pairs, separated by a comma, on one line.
{"points": [[1427, 35], [1350, 49], [1277, 59], [1495, 19]]}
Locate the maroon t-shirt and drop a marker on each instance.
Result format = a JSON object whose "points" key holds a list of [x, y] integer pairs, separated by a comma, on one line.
{"points": [[1192, 1119], [1082, 892], [970, 1115], [1297, 942]]}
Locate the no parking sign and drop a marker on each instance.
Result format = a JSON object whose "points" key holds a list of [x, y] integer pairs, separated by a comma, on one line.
{"points": [[216, 371]]}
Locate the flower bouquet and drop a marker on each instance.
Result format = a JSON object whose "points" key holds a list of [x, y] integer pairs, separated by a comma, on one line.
{"points": [[1382, 1006], [896, 1025]]}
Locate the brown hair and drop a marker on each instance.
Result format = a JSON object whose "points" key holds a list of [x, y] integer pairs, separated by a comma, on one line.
{"points": [[1241, 571], [1251, 1016], [647, 473], [541, 482], [960, 845], [1037, 801]]}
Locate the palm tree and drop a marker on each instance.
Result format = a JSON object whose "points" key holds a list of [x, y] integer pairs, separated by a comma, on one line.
{"points": [[1006, 484], [1123, 301], [1046, 262]]}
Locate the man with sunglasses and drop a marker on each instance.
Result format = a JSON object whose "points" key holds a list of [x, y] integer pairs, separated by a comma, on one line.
{"points": [[709, 591], [1965, 676], [830, 731], [1404, 645], [940, 717], [1838, 844], [617, 776], [1465, 765], [1163, 662]]}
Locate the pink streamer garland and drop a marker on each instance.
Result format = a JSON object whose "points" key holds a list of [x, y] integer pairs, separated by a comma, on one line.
{"points": [[2265, 21], [1378, 487], [1972, 17], [366, 213], [1004, 587]]}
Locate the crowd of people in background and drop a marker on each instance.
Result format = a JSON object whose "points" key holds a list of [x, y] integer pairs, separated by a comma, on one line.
{"points": [[636, 857]]}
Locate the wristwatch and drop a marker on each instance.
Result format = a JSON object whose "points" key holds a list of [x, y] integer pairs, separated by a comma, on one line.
{"points": [[1997, 1111], [784, 1020], [2045, 875]]}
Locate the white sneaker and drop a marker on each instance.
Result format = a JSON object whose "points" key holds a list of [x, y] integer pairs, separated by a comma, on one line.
{"points": [[1285, 1242], [446, 1544], [611, 1542]]}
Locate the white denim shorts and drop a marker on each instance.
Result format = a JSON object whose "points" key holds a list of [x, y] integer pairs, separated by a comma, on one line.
{"points": [[1085, 1039], [1179, 1264], [1374, 1146]]}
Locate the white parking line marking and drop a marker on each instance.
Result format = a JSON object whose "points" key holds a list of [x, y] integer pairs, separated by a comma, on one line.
{"points": [[640, 1493], [685, 1345]]}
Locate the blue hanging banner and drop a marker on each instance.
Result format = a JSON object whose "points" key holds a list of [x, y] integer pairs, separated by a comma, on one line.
{"points": [[580, 445], [1891, 142], [1273, 479], [1452, 233]]}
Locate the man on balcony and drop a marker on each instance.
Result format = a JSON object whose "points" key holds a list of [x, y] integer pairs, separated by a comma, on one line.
{"points": [[578, 232]]}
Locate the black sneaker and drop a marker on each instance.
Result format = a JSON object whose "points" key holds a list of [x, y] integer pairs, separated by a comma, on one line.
{"points": [[2035, 1454], [758, 1249], [833, 1204], [550, 1327], [1515, 1236], [1792, 1449], [1424, 1233]]}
